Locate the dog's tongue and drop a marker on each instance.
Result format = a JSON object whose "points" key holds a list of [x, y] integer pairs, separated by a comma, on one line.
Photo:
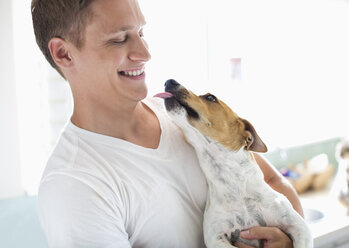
{"points": [[164, 95]]}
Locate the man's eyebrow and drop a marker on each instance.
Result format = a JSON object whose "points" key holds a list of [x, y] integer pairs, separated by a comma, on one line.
{"points": [[124, 28]]}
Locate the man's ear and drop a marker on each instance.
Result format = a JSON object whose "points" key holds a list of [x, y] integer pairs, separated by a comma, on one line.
{"points": [[59, 49], [253, 141]]}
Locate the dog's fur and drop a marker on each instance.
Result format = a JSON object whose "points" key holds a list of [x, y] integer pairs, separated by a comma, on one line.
{"points": [[238, 196]]}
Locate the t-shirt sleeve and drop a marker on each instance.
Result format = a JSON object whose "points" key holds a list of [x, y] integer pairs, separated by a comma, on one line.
{"points": [[76, 213]]}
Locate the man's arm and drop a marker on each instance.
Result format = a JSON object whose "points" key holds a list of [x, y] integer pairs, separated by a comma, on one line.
{"points": [[279, 183]]}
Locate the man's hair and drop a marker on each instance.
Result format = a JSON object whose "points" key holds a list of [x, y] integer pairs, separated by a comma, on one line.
{"points": [[64, 19]]}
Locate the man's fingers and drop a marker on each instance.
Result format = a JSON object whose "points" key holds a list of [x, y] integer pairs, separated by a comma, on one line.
{"points": [[259, 232], [273, 237]]}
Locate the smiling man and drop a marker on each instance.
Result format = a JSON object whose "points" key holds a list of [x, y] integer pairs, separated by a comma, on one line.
{"points": [[121, 174]]}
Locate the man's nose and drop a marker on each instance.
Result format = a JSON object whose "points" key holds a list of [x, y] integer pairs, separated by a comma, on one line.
{"points": [[140, 51]]}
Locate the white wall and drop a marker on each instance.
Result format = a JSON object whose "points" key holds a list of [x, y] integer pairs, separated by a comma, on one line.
{"points": [[32, 81], [10, 173], [295, 66], [177, 37]]}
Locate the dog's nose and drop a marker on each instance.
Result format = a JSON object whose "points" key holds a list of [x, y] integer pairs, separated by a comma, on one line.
{"points": [[171, 83]]}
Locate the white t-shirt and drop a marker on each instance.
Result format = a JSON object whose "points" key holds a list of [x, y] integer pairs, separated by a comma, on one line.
{"points": [[100, 191]]}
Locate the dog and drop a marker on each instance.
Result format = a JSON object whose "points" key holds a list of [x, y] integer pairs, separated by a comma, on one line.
{"points": [[238, 196]]}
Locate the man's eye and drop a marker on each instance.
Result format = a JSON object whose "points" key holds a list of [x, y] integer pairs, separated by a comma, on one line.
{"points": [[121, 41], [211, 98]]}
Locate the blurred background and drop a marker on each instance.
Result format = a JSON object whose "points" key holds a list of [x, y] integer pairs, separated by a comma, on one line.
{"points": [[281, 64]]}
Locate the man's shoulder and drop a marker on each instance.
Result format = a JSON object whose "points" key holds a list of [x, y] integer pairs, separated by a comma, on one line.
{"points": [[73, 164], [65, 148]]}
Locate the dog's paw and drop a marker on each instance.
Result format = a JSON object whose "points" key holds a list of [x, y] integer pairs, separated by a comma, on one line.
{"points": [[234, 237]]}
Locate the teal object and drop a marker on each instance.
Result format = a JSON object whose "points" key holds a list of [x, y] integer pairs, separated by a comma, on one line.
{"points": [[282, 158], [19, 223]]}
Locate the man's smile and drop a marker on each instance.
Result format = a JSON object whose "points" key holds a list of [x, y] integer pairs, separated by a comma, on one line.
{"points": [[132, 72]]}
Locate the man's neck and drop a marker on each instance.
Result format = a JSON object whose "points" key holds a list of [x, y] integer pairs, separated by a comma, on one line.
{"points": [[135, 123]]}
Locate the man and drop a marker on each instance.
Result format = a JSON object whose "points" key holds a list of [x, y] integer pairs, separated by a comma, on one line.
{"points": [[121, 174]]}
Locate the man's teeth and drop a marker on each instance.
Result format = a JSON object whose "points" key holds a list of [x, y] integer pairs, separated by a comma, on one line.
{"points": [[133, 73]]}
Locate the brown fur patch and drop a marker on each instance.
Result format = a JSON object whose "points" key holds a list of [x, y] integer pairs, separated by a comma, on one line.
{"points": [[218, 122]]}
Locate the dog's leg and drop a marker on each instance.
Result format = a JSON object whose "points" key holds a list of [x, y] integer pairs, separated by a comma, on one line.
{"points": [[295, 226], [281, 214], [301, 236]]}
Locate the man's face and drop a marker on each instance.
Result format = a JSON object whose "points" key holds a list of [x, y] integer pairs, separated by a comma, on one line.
{"points": [[109, 67]]}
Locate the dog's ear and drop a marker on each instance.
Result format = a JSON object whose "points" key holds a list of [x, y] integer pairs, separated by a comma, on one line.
{"points": [[253, 141]]}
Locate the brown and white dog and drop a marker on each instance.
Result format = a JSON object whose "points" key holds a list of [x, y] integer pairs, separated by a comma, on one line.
{"points": [[238, 196]]}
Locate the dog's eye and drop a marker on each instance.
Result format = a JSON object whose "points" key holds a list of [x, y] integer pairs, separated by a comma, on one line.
{"points": [[211, 98]]}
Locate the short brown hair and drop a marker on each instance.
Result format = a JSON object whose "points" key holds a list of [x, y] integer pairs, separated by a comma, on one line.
{"points": [[65, 19]]}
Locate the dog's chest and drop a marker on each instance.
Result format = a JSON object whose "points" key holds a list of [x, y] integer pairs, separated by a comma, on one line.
{"points": [[228, 169], [236, 188]]}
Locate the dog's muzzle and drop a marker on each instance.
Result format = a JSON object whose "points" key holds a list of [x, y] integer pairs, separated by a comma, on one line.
{"points": [[175, 95]]}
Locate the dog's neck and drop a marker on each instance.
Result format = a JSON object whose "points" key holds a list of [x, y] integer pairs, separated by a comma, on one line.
{"points": [[222, 163]]}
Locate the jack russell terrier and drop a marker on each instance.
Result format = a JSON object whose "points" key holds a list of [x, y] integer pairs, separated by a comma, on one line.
{"points": [[238, 196]]}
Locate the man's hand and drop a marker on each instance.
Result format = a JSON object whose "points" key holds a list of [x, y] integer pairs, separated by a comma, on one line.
{"points": [[273, 237]]}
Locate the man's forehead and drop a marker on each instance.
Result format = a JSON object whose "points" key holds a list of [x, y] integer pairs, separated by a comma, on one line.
{"points": [[113, 16], [118, 15]]}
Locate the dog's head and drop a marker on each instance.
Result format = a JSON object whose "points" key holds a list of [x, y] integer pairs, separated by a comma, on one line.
{"points": [[211, 116]]}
